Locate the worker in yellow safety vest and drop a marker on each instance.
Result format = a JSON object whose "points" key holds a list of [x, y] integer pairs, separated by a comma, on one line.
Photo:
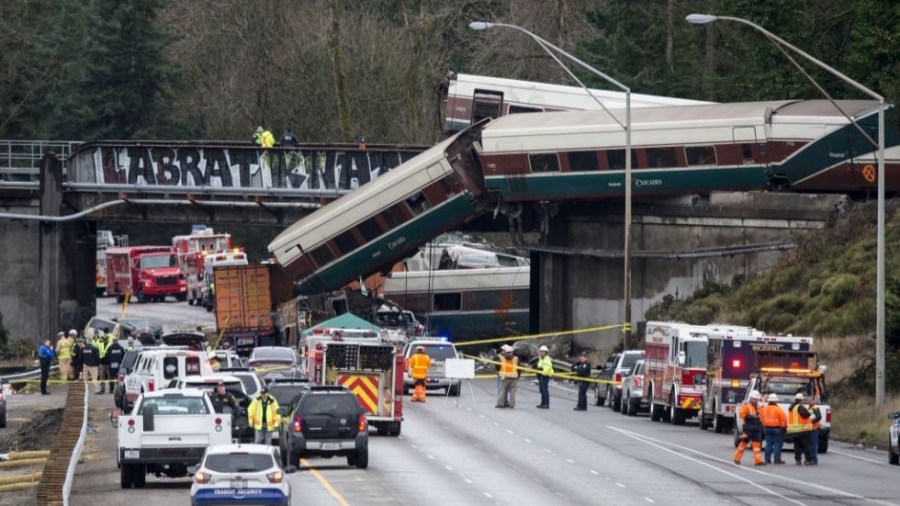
{"points": [[799, 429], [509, 378], [64, 347], [545, 370], [418, 369], [262, 414]]}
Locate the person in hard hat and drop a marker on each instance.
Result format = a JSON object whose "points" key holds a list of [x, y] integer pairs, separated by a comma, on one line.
{"points": [[582, 369], [45, 357], [418, 369], [545, 370], [64, 348], [262, 415], [752, 430], [774, 424], [508, 371], [799, 428], [815, 414], [257, 136]]}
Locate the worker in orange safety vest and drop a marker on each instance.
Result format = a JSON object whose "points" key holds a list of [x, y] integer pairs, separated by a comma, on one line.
{"points": [[752, 430], [418, 368]]}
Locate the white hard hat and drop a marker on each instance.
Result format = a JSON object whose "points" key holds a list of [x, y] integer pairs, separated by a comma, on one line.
{"points": [[506, 348], [73, 332], [799, 396], [544, 348], [772, 398], [61, 334], [754, 394]]}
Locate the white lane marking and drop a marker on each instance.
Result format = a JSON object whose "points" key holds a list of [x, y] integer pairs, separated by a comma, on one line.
{"points": [[548, 450], [648, 441], [414, 446], [595, 472], [431, 457], [400, 437], [564, 388], [489, 496], [570, 461], [470, 409], [620, 485], [857, 457], [645, 439], [509, 431], [448, 468], [649, 500], [527, 440], [468, 481], [496, 424], [482, 416]]}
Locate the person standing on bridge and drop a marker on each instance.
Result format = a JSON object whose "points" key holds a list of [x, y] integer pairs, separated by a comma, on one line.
{"points": [[774, 425], [509, 378], [752, 430], [288, 139], [545, 370], [418, 369], [582, 369], [64, 354], [45, 357]]}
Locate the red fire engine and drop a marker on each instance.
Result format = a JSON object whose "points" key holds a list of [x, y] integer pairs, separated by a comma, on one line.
{"points": [[192, 250], [674, 370], [150, 273], [368, 366]]}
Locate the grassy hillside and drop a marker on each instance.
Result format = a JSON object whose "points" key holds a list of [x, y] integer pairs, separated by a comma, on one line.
{"points": [[824, 288]]}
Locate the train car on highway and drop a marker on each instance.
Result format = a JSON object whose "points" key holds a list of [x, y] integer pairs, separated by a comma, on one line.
{"points": [[675, 149], [467, 99], [387, 219]]}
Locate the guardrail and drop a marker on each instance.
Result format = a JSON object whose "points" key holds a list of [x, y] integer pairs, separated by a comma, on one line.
{"points": [[26, 375]]}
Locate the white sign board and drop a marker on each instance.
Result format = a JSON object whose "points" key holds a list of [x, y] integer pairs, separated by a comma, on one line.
{"points": [[459, 368]]}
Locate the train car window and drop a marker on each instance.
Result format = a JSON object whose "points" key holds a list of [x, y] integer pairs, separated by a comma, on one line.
{"points": [[486, 104], [322, 255], [518, 109], [369, 229], [418, 203], [658, 158], [700, 155], [394, 216], [582, 160], [544, 162], [747, 152], [447, 301], [346, 242], [616, 159]]}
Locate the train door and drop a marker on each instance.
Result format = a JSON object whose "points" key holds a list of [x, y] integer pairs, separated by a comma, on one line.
{"points": [[486, 104], [745, 138]]}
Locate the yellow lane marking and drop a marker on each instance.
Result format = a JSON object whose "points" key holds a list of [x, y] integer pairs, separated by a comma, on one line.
{"points": [[325, 483]]}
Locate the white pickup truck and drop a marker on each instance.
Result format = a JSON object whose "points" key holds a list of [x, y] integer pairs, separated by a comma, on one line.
{"points": [[166, 433]]}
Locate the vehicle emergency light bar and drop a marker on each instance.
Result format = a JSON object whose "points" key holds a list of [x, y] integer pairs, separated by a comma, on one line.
{"points": [[789, 370]]}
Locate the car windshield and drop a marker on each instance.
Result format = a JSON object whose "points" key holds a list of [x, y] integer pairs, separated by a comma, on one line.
{"points": [[786, 388], [630, 359], [155, 261], [695, 354], [273, 354], [284, 394], [249, 383], [239, 462], [212, 384], [176, 405], [328, 404], [133, 323], [440, 351]]}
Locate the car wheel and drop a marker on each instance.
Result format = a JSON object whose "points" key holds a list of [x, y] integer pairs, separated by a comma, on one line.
{"points": [[395, 429], [362, 458], [141, 297], [120, 299], [598, 399], [609, 397], [3, 420], [623, 405], [139, 474], [180, 297], [893, 457], [126, 477], [351, 460], [823, 444], [633, 405], [676, 414]]}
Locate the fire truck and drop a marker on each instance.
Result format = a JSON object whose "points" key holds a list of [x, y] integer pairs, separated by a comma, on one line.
{"points": [[150, 273], [731, 359], [368, 366], [192, 250], [674, 369]]}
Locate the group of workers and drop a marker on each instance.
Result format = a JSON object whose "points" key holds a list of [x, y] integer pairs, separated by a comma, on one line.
{"points": [[799, 424], [95, 361], [262, 412], [263, 138]]}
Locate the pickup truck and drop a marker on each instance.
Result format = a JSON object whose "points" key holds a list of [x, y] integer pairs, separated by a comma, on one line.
{"points": [[786, 383], [166, 433]]}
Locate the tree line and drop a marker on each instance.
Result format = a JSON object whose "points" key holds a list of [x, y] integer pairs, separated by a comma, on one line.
{"points": [[335, 69]]}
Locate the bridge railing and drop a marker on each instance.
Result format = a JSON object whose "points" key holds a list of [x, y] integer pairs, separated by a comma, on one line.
{"points": [[20, 160]]}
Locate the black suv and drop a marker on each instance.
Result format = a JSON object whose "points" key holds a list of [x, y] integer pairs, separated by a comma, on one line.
{"points": [[326, 421]]}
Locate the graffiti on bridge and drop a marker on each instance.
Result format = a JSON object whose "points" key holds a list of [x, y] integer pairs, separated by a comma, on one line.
{"points": [[243, 167]]}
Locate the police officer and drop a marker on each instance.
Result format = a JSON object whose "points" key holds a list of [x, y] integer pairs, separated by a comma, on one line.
{"points": [[582, 369], [221, 398], [114, 354], [46, 356]]}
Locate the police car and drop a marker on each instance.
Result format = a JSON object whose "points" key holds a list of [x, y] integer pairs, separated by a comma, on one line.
{"points": [[241, 474]]}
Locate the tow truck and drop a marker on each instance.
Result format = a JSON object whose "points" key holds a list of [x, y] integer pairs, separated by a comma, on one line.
{"points": [[787, 381], [732, 357], [370, 367]]}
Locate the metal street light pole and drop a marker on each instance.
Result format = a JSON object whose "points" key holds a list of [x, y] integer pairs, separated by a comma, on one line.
{"points": [[547, 46], [880, 276]]}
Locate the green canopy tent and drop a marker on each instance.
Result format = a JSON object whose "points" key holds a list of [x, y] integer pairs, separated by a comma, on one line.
{"points": [[344, 321]]}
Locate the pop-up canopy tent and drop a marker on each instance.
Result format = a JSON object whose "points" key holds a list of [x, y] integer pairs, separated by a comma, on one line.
{"points": [[344, 321]]}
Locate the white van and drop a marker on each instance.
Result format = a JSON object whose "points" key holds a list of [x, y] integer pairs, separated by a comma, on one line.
{"points": [[156, 367], [439, 350]]}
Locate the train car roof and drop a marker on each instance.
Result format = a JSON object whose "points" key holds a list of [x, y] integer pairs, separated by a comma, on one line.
{"points": [[458, 279], [393, 177]]}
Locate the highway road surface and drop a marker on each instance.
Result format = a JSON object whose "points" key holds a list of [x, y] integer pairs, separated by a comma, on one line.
{"points": [[473, 453]]}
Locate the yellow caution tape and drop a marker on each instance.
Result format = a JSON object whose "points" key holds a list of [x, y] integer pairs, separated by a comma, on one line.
{"points": [[543, 334], [535, 372]]}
